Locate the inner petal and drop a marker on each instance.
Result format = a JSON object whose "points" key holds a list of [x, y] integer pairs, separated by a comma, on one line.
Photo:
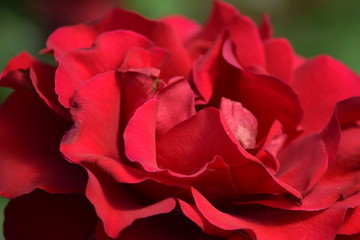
{"points": [[241, 121]]}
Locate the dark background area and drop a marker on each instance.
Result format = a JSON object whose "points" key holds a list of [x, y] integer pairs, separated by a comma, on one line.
{"points": [[312, 26]]}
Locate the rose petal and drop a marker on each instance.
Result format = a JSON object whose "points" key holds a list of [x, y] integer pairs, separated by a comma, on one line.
{"points": [[241, 122], [94, 133], [269, 224], [243, 31], [116, 206], [271, 146], [191, 212], [303, 163], [14, 74], [191, 144], [183, 27], [84, 35], [77, 66], [265, 28], [351, 222], [29, 149], [142, 133], [40, 216], [279, 58], [24, 72], [176, 104], [319, 88], [212, 76]]}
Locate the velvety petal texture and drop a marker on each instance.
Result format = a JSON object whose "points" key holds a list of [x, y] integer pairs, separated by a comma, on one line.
{"points": [[169, 129]]}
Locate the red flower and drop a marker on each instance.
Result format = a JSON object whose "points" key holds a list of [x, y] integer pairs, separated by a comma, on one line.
{"points": [[184, 131]]}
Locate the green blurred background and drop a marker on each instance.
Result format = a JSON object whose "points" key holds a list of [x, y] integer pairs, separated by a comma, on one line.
{"points": [[312, 26]]}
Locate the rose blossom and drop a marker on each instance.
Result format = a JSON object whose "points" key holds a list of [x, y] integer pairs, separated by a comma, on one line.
{"points": [[174, 130]]}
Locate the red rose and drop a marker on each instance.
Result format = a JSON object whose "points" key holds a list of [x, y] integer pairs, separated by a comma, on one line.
{"points": [[184, 131]]}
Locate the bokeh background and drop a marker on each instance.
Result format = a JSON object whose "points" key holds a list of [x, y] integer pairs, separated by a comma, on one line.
{"points": [[312, 26]]}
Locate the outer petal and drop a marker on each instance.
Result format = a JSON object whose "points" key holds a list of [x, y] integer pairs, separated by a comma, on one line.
{"points": [[83, 36], [243, 31], [269, 224], [117, 206], [321, 83], [14, 74], [96, 139], [77, 66], [29, 149], [24, 72], [41, 216], [95, 133]]}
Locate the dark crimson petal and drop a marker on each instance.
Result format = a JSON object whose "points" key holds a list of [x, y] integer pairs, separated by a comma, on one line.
{"points": [[279, 58], [183, 27], [319, 88], [116, 206], [303, 163], [84, 35], [269, 224], [172, 226], [30, 135], [351, 224], [77, 66], [42, 216]]}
